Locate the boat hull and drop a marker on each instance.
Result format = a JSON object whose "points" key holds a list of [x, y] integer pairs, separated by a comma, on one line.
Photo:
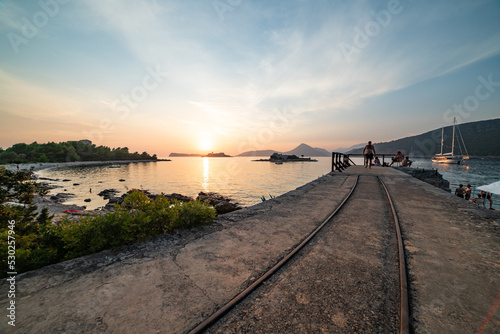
{"points": [[448, 160]]}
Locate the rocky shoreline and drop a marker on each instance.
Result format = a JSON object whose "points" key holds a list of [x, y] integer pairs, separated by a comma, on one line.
{"points": [[55, 203], [430, 176], [40, 166]]}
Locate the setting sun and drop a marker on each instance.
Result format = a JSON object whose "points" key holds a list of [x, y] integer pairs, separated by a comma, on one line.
{"points": [[205, 144]]}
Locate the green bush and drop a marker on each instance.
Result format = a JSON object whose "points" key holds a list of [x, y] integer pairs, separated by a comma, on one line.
{"points": [[136, 219]]}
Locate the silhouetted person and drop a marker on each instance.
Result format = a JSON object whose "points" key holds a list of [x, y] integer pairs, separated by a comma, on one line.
{"points": [[369, 153], [467, 192], [460, 191]]}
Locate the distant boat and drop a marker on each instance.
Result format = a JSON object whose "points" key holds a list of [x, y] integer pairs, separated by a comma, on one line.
{"points": [[450, 158], [279, 162], [114, 166]]}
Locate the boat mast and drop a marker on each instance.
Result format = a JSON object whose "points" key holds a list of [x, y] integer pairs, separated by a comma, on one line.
{"points": [[453, 137], [442, 136]]}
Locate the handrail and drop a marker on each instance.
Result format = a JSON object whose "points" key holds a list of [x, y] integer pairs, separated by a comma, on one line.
{"points": [[338, 155]]}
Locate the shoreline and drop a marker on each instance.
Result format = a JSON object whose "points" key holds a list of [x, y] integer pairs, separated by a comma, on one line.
{"points": [[49, 165]]}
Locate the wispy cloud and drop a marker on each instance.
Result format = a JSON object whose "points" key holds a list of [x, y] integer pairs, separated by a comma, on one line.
{"points": [[231, 75]]}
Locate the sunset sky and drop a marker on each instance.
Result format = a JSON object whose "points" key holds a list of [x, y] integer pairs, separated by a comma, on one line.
{"points": [[237, 75]]}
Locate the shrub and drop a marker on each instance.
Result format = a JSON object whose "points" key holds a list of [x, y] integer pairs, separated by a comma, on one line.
{"points": [[136, 219]]}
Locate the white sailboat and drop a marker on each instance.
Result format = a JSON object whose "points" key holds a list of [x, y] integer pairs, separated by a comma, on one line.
{"points": [[450, 158]]}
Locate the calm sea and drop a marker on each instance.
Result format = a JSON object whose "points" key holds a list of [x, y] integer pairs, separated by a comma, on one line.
{"points": [[239, 178]]}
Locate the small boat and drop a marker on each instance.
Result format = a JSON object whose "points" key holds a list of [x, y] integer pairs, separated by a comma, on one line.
{"points": [[279, 162], [450, 158], [114, 166]]}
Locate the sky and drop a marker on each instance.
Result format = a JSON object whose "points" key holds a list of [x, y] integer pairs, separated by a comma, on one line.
{"points": [[231, 76]]}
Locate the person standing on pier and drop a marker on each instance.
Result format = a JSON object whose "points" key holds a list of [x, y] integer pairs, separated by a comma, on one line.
{"points": [[460, 191], [468, 191], [369, 153]]}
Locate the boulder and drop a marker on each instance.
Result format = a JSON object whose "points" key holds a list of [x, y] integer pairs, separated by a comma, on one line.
{"points": [[226, 207], [108, 193], [179, 197], [222, 204]]}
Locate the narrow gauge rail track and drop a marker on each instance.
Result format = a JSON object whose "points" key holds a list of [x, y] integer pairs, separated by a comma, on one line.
{"points": [[404, 305]]}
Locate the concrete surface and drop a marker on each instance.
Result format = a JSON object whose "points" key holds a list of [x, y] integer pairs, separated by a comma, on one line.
{"points": [[172, 282]]}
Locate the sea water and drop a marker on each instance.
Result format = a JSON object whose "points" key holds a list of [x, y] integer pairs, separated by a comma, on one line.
{"points": [[246, 181]]}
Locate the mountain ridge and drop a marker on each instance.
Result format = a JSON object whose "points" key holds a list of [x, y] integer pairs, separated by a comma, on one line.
{"points": [[481, 138]]}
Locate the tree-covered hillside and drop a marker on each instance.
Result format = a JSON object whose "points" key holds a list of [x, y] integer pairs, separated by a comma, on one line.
{"points": [[69, 151], [480, 138]]}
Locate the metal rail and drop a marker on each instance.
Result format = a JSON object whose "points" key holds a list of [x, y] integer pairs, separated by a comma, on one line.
{"points": [[233, 302], [404, 304], [404, 309]]}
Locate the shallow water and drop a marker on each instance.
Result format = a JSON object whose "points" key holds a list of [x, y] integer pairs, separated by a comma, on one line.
{"points": [[240, 178]]}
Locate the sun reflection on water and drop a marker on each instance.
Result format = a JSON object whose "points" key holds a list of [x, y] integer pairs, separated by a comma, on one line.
{"points": [[206, 174]]}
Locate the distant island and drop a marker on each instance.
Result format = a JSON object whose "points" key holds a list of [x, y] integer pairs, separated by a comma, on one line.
{"points": [[209, 155], [281, 158], [216, 155], [70, 151], [302, 149]]}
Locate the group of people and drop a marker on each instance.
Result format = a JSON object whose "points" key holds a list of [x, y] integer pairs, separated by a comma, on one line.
{"points": [[369, 154], [466, 192]]}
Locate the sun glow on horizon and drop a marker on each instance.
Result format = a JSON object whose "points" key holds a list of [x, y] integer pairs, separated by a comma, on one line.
{"points": [[205, 144]]}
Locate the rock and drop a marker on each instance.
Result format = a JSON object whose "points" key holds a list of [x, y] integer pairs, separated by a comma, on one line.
{"points": [[225, 207], [121, 180], [47, 179], [114, 200], [108, 193], [222, 204], [87, 200], [179, 197], [76, 184], [61, 197], [66, 180]]}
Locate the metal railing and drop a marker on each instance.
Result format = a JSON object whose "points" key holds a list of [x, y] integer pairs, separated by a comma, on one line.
{"points": [[341, 161]]}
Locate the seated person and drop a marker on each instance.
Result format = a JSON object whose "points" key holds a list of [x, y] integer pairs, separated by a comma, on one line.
{"points": [[397, 158], [406, 162], [376, 162], [479, 200]]}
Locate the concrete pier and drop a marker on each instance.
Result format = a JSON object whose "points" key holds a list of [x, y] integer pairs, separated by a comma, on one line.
{"points": [[172, 282]]}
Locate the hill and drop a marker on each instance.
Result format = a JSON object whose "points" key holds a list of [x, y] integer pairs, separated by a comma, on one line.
{"points": [[70, 151], [481, 138], [302, 149]]}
